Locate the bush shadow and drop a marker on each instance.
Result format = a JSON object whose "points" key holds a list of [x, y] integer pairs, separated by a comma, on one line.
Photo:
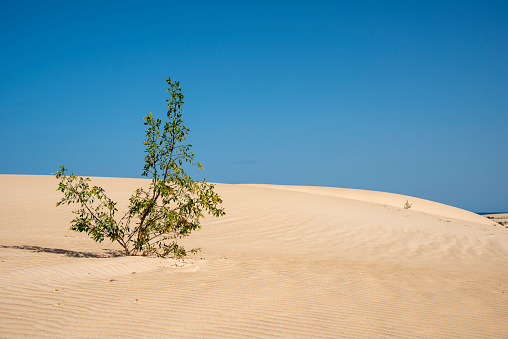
{"points": [[75, 254]]}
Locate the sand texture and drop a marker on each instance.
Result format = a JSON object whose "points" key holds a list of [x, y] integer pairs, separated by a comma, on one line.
{"points": [[286, 261]]}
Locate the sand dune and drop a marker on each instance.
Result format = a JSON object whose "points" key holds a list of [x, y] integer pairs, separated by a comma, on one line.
{"points": [[286, 261], [389, 199]]}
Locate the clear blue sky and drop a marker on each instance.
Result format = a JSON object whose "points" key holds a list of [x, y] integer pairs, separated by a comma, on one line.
{"points": [[408, 97]]}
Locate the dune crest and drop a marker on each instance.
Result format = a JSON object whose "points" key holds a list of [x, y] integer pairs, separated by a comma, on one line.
{"points": [[389, 199]]}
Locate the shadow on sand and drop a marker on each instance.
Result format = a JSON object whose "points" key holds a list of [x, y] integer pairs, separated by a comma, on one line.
{"points": [[75, 254]]}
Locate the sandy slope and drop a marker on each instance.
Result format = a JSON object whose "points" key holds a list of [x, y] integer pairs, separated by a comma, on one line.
{"points": [[286, 261]]}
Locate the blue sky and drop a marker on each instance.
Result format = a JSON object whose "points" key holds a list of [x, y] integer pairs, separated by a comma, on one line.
{"points": [[408, 97]]}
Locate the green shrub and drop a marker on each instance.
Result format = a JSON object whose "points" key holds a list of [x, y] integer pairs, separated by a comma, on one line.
{"points": [[170, 209]]}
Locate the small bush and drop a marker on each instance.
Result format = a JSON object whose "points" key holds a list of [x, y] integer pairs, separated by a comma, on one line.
{"points": [[170, 209], [407, 205]]}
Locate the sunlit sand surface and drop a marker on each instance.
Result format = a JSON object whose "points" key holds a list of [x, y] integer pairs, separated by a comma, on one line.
{"points": [[286, 261]]}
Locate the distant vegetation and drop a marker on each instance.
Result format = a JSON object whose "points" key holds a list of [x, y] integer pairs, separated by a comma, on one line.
{"points": [[407, 205], [170, 209], [502, 220]]}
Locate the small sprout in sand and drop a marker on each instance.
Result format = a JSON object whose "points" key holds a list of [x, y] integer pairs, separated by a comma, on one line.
{"points": [[407, 205]]}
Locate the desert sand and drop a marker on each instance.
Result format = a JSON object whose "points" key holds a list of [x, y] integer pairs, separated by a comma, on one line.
{"points": [[285, 261]]}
